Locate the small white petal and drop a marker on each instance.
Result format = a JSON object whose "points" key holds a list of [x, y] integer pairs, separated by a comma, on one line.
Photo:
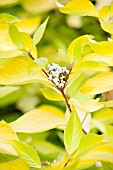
{"points": [[63, 69], [57, 83], [67, 71], [56, 75], [51, 68], [62, 77], [55, 80], [53, 73], [58, 71], [50, 77], [61, 85]]}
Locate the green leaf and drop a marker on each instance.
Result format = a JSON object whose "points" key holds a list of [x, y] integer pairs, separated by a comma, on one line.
{"points": [[109, 132], [46, 149], [51, 94], [39, 32], [75, 84], [73, 133], [27, 153], [107, 165], [9, 18], [98, 84], [76, 47], [77, 7], [14, 165], [15, 36], [39, 120]]}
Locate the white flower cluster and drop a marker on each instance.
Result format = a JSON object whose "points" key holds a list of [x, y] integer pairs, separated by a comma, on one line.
{"points": [[58, 74]]}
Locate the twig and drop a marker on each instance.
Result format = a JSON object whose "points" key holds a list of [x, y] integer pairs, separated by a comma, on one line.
{"points": [[66, 100]]}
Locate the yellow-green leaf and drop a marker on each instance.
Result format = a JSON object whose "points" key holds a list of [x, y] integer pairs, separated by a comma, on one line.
{"points": [[98, 84], [89, 141], [103, 152], [73, 133], [9, 18], [62, 55], [96, 57], [14, 165], [42, 62], [104, 115], [6, 134], [6, 90], [75, 48], [80, 8], [39, 32], [28, 24], [37, 7], [106, 18], [91, 67], [104, 48], [51, 94], [27, 153], [15, 36], [26, 41], [109, 132], [38, 120], [21, 70], [10, 53]]}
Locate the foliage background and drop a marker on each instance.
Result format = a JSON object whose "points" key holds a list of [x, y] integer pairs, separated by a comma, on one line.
{"points": [[61, 30]]}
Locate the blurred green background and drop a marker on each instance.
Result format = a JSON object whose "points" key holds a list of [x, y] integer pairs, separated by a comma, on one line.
{"points": [[61, 30]]}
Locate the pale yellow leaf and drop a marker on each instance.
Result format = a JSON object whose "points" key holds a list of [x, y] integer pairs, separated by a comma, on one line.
{"points": [[38, 120], [7, 43], [8, 2], [98, 84], [100, 153], [6, 134], [10, 53], [80, 8], [104, 48], [14, 165], [28, 25], [104, 115], [20, 70], [75, 49], [37, 6], [52, 94], [106, 18], [87, 106], [96, 57]]}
